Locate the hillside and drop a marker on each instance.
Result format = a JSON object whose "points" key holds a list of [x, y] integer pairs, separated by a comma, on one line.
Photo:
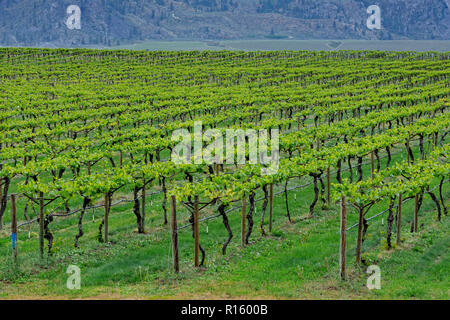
{"points": [[116, 22]]}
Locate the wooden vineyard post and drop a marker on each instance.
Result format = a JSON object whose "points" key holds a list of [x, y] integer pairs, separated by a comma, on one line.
{"points": [[14, 236], [328, 188], [217, 168], [143, 206], [107, 208], [244, 212], [431, 142], [407, 149], [41, 225], [343, 238], [372, 164], [196, 234], [270, 206], [399, 219], [416, 212], [174, 227], [359, 237]]}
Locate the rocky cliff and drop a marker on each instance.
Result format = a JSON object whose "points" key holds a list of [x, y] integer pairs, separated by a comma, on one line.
{"points": [[114, 22]]}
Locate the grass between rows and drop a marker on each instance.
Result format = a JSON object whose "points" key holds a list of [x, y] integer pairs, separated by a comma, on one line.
{"points": [[295, 261]]}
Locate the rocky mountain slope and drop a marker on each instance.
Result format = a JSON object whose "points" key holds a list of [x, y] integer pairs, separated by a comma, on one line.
{"points": [[114, 22]]}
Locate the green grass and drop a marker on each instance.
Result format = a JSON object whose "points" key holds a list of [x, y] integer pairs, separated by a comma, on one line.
{"points": [[295, 261]]}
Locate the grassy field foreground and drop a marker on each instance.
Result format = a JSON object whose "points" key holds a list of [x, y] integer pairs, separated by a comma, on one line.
{"points": [[296, 261]]}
